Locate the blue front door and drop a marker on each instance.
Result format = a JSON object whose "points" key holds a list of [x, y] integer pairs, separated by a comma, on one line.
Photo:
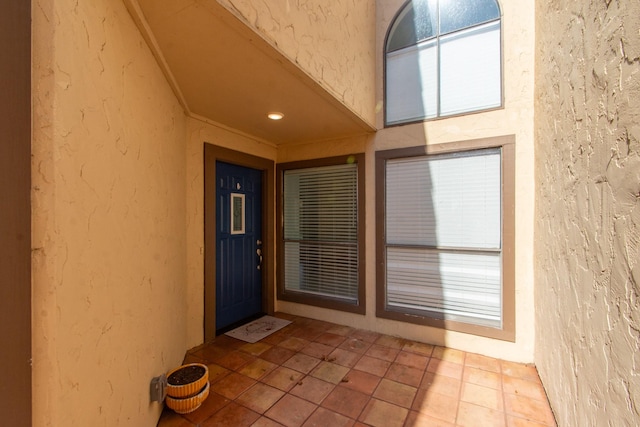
{"points": [[238, 243]]}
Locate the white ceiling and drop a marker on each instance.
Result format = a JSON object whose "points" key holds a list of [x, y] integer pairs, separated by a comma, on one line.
{"points": [[225, 72]]}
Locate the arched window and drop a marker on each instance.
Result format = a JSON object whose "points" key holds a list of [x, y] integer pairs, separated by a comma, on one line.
{"points": [[442, 57]]}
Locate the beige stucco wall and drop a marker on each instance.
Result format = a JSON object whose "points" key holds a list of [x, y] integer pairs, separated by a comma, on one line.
{"points": [[333, 42], [516, 118], [587, 231], [109, 266]]}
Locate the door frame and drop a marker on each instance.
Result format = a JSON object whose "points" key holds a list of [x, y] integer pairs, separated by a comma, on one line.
{"points": [[213, 154], [15, 213]]}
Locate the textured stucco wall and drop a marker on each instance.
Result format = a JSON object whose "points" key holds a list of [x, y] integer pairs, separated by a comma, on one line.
{"points": [[516, 118], [588, 210], [109, 265], [332, 41]]}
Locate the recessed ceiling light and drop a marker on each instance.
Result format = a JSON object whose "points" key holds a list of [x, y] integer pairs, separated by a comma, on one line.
{"points": [[275, 115]]}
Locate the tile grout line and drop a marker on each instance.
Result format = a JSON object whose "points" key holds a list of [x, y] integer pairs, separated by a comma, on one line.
{"points": [[462, 382], [504, 400]]}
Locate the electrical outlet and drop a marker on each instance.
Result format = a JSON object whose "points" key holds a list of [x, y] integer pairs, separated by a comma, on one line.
{"points": [[158, 389]]}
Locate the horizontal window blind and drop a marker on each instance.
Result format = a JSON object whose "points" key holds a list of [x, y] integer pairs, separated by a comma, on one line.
{"points": [[412, 84], [445, 201], [320, 231], [470, 70], [443, 235], [322, 269], [457, 286]]}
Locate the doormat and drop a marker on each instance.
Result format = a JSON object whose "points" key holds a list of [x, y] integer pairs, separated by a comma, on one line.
{"points": [[258, 329]]}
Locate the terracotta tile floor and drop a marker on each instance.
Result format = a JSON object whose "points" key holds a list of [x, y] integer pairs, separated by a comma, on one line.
{"points": [[314, 373]]}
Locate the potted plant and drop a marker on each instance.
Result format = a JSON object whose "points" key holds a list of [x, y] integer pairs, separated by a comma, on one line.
{"points": [[187, 387]]}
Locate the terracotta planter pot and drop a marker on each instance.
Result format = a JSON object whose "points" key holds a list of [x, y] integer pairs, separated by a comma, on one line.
{"points": [[188, 404], [187, 380]]}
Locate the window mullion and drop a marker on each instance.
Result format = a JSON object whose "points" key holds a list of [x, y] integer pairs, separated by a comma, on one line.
{"points": [[438, 67], [445, 248]]}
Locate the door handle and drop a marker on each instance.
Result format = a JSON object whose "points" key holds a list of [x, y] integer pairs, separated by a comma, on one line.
{"points": [[259, 253]]}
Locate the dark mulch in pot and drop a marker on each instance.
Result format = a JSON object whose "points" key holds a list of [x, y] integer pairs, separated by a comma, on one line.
{"points": [[186, 375]]}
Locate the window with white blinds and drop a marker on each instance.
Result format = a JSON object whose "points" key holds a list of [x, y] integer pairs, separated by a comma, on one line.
{"points": [[443, 249], [320, 231], [443, 58], [470, 70]]}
